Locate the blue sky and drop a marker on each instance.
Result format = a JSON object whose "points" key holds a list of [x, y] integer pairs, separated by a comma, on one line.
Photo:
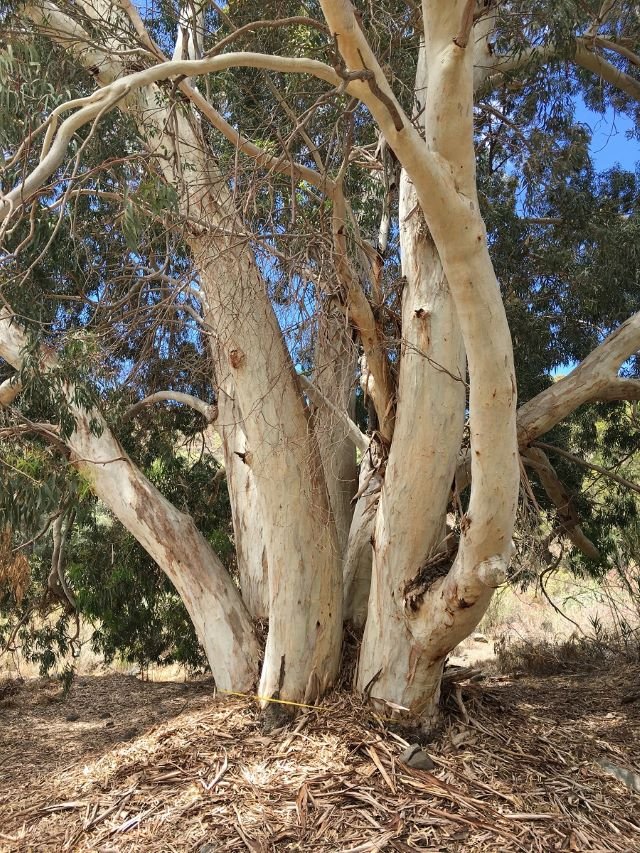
{"points": [[610, 144]]}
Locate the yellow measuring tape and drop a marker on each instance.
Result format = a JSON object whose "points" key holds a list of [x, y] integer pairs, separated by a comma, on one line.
{"points": [[271, 699], [257, 698]]}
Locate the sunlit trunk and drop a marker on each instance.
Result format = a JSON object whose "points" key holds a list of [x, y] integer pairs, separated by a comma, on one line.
{"points": [[410, 521], [304, 567], [250, 547]]}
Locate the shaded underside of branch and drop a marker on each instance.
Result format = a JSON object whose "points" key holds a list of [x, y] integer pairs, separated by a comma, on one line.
{"points": [[561, 499]]}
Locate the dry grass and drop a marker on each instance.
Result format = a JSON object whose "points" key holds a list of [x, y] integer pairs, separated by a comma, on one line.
{"points": [[578, 654], [178, 769]]}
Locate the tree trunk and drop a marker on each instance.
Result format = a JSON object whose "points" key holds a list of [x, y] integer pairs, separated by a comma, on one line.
{"points": [[171, 538], [251, 552], [410, 521], [442, 168], [359, 554], [305, 591], [334, 375], [305, 594]]}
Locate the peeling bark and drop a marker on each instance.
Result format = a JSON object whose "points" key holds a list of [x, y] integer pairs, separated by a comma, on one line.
{"points": [[424, 597], [305, 594], [411, 517], [305, 609], [442, 169]]}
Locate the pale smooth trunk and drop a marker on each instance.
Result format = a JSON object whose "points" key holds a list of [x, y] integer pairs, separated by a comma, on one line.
{"points": [[250, 547], [305, 595], [410, 520]]}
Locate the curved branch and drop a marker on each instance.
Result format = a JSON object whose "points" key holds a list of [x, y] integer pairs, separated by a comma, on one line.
{"points": [[620, 49], [72, 36], [584, 56], [595, 62], [101, 102], [48, 431], [208, 411], [56, 582], [168, 535], [67, 32], [594, 379]]}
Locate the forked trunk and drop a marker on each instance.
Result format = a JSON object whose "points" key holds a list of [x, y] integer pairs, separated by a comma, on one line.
{"points": [[431, 612], [305, 602]]}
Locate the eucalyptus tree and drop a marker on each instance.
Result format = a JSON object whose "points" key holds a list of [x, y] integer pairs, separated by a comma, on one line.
{"points": [[346, 222]]}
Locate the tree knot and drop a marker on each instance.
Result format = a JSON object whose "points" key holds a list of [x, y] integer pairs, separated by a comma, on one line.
{"points": [[492, 572], [236, 358]]}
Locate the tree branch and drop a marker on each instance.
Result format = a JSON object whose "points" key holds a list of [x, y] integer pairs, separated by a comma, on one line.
{"points": [[282, 164], [208, 411], [466, 24], [56, 582], [102, 64], [296, 20], [95, 106], [9, 390], [601, 17], [584, 56], [163, 530], [358, 438], [594, 379], [559, 496], [633, 58], [606, 472], [361, 314], [592, 61]]}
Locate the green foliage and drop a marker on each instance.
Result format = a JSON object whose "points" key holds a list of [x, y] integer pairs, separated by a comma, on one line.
{"points": [[135, 612], [30, 486], [138, 616]]}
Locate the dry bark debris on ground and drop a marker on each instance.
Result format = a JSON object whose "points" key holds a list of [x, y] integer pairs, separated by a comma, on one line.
{"points": [[121, 765]]}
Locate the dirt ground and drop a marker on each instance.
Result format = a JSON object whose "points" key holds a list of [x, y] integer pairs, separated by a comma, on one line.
{"points": [[124, 765]]}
